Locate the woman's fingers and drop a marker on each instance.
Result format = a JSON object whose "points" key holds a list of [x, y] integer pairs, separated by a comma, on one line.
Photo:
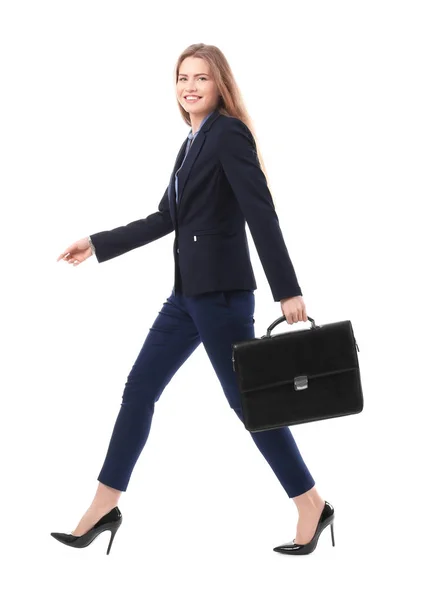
{"points": [[70, 256], [67, 251], [294, 309], [77, 251], [67, 257]]}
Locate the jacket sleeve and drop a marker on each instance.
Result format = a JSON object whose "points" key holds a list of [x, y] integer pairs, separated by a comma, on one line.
{"points": [[239, 160], [112, 243]]}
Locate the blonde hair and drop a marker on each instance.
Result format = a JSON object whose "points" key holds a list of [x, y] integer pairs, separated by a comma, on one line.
{"points": [[231, 102]]}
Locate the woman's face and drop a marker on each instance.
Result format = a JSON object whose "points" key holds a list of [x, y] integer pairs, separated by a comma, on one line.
{"points": [[194, 78]]}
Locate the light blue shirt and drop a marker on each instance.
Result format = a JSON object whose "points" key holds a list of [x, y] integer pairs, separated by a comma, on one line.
{"points": [[190, 137]]}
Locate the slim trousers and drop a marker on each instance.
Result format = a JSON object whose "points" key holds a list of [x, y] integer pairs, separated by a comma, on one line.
{"points": [[216, 319]]}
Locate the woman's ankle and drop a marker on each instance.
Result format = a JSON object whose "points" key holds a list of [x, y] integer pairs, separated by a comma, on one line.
{"points": [[106, 497], [309, 502]]}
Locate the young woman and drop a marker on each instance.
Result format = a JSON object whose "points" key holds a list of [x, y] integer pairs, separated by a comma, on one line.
{"points": [[217, 185]]}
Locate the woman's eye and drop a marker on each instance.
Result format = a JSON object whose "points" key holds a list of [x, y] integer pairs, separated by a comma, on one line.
{"points": [[181, 78]]}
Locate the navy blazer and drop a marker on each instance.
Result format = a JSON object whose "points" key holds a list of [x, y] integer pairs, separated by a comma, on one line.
{"points": [[220, 187]]}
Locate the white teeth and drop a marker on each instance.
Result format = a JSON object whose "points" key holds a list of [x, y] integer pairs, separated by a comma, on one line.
{"points": [[192, 97]]}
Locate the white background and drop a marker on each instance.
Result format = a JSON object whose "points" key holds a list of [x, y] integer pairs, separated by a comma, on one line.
{"points": [[89, 134]]}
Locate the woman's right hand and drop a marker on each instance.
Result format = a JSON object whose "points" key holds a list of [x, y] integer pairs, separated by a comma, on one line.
{"points": [[77, 252]]}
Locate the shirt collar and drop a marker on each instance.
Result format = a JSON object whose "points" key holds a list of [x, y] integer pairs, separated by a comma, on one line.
{"points": [[191, 135]]}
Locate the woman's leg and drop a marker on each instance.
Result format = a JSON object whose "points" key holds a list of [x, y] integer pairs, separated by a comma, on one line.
{"points": [[309, 506], [224, 317], [170, 341]]}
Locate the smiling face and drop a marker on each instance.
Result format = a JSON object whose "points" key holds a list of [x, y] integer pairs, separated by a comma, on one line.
{"points": [[195, 79]]}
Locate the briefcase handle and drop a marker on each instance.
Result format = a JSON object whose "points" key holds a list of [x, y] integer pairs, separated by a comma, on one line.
{"points": [[280, 320]]}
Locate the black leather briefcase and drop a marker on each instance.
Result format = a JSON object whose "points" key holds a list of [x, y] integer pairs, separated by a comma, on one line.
{"points": [[298, 376]]}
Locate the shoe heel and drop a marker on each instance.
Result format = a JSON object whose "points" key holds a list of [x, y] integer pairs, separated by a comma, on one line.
{"points": [[112, 535], [332, 534]]}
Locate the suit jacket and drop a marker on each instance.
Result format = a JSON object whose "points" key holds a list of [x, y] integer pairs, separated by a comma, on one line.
{"points": [[220, 187]]}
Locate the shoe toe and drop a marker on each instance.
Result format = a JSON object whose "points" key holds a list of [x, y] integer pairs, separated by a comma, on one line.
{"points": [[65, 538], [288, 547]]}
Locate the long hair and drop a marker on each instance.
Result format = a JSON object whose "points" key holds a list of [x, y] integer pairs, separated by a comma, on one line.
{"points": [[231, 102]]}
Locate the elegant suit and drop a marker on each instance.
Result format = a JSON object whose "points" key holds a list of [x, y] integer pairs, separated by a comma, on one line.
{"points": [[220, 187], [215, 184]]}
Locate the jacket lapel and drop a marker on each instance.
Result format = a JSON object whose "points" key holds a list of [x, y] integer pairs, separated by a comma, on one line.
{"points": [[185, 169], [184, 172], [171, 187]]}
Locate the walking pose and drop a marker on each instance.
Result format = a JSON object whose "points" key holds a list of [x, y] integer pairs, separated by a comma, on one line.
{"points": [[218, 183]]}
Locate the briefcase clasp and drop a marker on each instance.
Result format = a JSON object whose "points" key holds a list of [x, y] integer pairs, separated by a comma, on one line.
{"points": [[301, 382]]}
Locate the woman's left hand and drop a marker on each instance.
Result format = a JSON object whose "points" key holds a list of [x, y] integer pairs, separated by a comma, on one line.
{"points": [[294, 309]]}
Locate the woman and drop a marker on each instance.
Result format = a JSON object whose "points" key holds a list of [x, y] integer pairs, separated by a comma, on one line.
{"points": [[217, 184]]}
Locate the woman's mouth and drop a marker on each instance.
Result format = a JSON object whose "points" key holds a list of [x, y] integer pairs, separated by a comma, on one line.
{"points": [[192, 99]]}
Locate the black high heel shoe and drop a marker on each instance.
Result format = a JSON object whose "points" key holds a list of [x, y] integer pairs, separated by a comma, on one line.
{"points": [[326, 518], [109, 522]]}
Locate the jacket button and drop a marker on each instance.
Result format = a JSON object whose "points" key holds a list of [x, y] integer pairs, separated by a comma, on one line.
{"points": [[178, 250]]}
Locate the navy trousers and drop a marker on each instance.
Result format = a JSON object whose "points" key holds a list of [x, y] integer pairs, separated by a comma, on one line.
{"points": [[216, 319]]}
